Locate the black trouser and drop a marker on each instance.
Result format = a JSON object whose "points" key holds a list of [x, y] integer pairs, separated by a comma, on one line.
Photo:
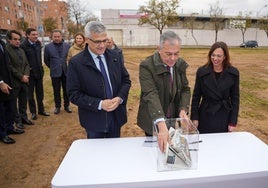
{"points": [[36, 87], [57, 83], [7, 116], [20, 105]]}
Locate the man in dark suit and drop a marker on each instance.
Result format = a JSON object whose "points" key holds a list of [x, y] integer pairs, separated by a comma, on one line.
{"points": [[32, 48], [20, 71], [98, 83], [7, 99], [55, 57]]}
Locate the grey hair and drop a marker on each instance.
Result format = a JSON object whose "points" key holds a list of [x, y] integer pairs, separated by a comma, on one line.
{"points": [[168, 36], [94, 27]]}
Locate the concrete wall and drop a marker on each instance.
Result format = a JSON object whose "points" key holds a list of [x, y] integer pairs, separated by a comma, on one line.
{"points": [[127, 32]]}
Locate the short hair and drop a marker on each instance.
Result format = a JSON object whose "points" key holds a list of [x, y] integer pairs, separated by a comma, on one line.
{"points": [[56, 31], [168, 36], [9, 34], [94, 27], [224, 47], [29, 30]]}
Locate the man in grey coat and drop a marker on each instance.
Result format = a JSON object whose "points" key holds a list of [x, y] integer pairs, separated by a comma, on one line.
{"points": [[165, 92]]}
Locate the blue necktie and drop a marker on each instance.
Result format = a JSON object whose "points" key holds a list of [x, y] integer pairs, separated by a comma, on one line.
{"points": [[106, 81]]}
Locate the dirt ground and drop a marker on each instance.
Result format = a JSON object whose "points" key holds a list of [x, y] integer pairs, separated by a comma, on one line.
{"points": [[33, 160]]}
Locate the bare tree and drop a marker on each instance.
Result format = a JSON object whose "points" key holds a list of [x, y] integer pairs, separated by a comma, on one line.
{"points": [[216, 15], [190, 22], [75, 12], [241, 23], [159, 13], [78, 15], [263, 24]]}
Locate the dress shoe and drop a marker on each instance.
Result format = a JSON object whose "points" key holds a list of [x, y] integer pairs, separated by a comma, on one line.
{"points": [[16, 131], [34, 116], [57, 110], [26, 121], [67, 109], [20, 126], [8, 140], [44, 113]]}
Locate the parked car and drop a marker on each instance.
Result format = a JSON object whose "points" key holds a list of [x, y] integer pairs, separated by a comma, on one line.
{"points": [[249, 44]]}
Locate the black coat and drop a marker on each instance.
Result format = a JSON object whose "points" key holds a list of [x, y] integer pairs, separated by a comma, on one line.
{"points": [[215, 102], [33, 53], [5, 73], [85, 87]]}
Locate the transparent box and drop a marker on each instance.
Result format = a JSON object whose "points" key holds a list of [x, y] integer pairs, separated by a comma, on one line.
{"points": [[182, 150]]}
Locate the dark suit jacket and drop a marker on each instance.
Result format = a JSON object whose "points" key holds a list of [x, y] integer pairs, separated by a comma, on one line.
{"points": [[85, 87], [215, 103], [5, 73], [33, 54], [55, 57]]}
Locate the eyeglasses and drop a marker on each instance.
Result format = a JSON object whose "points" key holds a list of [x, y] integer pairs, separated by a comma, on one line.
{"points": [[98, 42]]}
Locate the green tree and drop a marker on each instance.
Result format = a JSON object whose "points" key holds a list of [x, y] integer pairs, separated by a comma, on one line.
{"points": [[49, 24], [22, 25], [159, 13]]}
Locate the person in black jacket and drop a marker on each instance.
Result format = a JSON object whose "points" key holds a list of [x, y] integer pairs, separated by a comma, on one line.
{"points": [[215, 100], [7, 99], [32, 48], [98, 83], [20, 71]]}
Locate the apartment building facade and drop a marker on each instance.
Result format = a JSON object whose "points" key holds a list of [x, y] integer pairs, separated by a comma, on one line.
{"points": [[32, 12], [14, 11]]}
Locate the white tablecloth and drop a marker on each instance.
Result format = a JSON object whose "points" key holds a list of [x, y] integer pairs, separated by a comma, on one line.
{"points": [[225, 160]]}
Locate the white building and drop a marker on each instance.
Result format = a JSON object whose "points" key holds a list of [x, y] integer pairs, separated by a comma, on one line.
{"points": [[123, 27]]}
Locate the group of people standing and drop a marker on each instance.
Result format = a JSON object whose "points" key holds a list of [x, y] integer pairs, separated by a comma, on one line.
{"points": [[98, 83], [93, 76], [21, 79], [21, 75]]}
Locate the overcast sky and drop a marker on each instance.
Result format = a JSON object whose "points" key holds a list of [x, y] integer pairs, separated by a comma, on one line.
{"points": [[230, 7]]}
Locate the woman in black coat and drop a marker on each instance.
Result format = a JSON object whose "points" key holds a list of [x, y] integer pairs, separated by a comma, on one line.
{"points": [[215, 100]]}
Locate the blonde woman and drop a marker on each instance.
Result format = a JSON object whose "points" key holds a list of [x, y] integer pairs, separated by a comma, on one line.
{"points": [[77, 46]]}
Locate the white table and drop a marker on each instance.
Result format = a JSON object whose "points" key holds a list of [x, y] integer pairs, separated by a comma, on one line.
{"points": [[225, 160]]}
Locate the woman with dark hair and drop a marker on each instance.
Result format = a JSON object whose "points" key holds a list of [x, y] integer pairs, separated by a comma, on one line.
{"points": [[215, 100]]}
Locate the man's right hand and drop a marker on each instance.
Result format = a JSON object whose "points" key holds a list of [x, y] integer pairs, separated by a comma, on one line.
{"points": [[163, 136], [5, 88]]}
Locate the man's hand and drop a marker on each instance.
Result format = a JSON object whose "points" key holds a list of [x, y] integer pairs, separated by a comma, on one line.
{"points": [[163, 136], [183, 114], [25, 79], [110, 105], [5, 88]]}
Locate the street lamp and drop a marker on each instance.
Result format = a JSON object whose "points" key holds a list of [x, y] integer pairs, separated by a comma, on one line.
{"points": [[257, 24]]}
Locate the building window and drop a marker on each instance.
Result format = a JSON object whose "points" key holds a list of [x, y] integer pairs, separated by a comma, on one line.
{"points": [[19, 3], [6, 9]]}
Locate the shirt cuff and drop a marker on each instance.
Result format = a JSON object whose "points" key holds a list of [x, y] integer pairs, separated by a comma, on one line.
{"points": [[99, 107]]}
